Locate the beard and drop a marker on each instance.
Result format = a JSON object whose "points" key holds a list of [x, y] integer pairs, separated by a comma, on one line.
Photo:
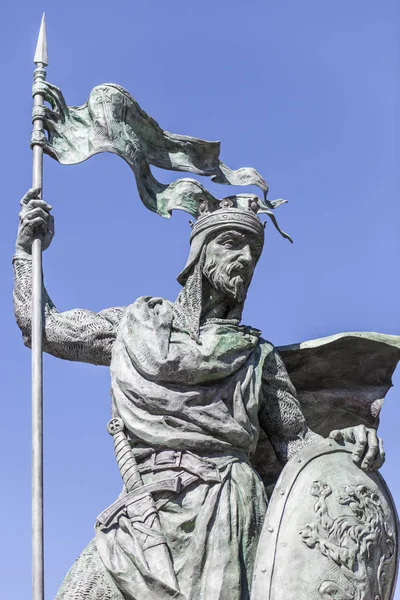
{"points": [[223, 278]]}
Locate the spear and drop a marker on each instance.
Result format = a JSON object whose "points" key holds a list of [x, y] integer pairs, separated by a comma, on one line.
{"points": [[38, 137]]}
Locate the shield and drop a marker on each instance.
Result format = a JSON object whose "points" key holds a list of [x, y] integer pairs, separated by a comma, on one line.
{"points": [[330, 532]]}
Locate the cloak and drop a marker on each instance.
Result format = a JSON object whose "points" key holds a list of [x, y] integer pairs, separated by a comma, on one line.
{"points": [[341, 381]]}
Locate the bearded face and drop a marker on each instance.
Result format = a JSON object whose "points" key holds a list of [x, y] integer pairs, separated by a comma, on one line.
{"points": [[229, 264]]}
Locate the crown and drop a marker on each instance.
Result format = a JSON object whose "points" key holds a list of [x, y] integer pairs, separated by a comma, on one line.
{"points": [[238, 211]]}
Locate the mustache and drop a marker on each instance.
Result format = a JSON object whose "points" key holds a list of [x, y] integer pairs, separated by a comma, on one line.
{"points": [[235, 266]]}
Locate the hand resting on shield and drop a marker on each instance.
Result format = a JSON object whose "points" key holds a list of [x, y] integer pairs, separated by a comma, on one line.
{"points": [[368, 451]]}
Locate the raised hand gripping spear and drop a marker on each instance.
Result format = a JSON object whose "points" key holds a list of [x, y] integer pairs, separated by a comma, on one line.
{"points": [[38, 137]]}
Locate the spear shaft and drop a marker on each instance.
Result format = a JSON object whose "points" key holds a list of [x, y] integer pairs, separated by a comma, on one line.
{"points": [[37, 333]]}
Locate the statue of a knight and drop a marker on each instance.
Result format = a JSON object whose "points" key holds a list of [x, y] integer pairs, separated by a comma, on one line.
{"points": [[192, 387]]}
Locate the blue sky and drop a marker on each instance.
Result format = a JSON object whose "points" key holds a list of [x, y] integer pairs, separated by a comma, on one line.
{"points": [[305, 92]]}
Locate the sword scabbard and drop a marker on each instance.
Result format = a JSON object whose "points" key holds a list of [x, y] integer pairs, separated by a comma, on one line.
{"points": [[139, 506]]}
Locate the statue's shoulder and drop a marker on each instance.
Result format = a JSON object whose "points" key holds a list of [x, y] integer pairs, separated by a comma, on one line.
{"points": [[149, 308], [269, 352], [150, 302]]}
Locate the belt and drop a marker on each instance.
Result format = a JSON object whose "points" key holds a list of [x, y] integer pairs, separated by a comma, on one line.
{"points": [[179, 459]]}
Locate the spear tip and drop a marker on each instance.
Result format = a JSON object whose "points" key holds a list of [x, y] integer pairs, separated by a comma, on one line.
{"points": [[41, 46]]}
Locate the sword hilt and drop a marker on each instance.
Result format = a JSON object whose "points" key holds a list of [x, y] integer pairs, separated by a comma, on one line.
{"points": [[123, 453]]}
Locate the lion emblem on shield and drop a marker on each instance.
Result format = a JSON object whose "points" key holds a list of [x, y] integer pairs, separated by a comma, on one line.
{"points": [[360, 542]]}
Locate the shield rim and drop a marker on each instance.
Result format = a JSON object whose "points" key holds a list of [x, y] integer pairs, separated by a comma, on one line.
{"points": [[265, 561]]}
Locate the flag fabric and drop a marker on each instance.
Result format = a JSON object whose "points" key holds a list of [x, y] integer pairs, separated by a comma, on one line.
{"points": [[112, 121]]}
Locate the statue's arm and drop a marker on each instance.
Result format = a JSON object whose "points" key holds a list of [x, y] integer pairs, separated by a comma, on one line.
{"points": [[280, 414], [79, 335]]}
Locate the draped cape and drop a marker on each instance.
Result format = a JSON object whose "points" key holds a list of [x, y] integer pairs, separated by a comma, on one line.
{"points": [[173, 392], [341, 381]]}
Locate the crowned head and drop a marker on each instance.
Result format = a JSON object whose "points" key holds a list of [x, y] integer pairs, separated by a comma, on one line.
{"points": [[236, 215], [225, 244]]}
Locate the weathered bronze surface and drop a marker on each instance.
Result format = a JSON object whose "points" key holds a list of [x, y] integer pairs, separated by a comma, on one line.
{"points": [[200, 402]]}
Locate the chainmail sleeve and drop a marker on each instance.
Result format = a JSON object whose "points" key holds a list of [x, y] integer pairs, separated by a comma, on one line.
{"points": [[280, 413], [79, 335]]}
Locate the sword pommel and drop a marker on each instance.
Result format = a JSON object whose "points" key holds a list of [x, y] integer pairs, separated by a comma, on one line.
{"points": [[115, 426]]}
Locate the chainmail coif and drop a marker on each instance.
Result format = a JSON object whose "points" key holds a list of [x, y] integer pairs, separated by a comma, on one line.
{"points": [[187, 307]]}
